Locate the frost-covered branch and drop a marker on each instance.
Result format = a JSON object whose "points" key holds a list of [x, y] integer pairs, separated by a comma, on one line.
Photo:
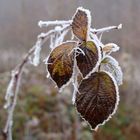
{"points": [[106, 29], [63, 22], [13, 87], [57, 22], [42, 38]]}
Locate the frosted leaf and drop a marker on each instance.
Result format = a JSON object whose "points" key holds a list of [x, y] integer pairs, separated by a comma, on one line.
{"points": [[97, 99], [36, 59], [110, 65], [60, 63], [110, 47], [89, 62], [81, 24], [88, 17]]}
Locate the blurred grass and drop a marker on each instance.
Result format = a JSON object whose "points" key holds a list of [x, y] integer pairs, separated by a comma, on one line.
{"points": [[42, 113]]}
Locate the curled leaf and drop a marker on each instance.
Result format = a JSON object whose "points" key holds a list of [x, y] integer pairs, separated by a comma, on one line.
{"points": [[110, 47], [97, 99], [60, 63], [81, 24], [111, 65], [88, 61]]}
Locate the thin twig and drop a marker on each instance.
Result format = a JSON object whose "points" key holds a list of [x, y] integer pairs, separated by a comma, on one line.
{"points": [[57, 22], [105, 29]]}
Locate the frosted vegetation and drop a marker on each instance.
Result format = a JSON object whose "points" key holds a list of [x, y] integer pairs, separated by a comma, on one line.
{"points": [[83, 60]]}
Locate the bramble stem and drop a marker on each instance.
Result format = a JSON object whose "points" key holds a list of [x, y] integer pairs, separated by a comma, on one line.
{"points": [[16, 76], [56, 22], [105, 29]]}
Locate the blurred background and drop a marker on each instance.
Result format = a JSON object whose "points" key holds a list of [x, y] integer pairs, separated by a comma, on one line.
{"points": [[42, 113]]}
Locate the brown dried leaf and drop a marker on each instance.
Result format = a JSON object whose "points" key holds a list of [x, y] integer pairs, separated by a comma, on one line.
{"points": [[81, 24], [86, 63], [110, 47], [60, 63], [97, 98]]}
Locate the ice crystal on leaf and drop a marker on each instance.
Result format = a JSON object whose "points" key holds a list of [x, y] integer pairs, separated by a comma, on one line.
{"points": [[111, 65]]}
